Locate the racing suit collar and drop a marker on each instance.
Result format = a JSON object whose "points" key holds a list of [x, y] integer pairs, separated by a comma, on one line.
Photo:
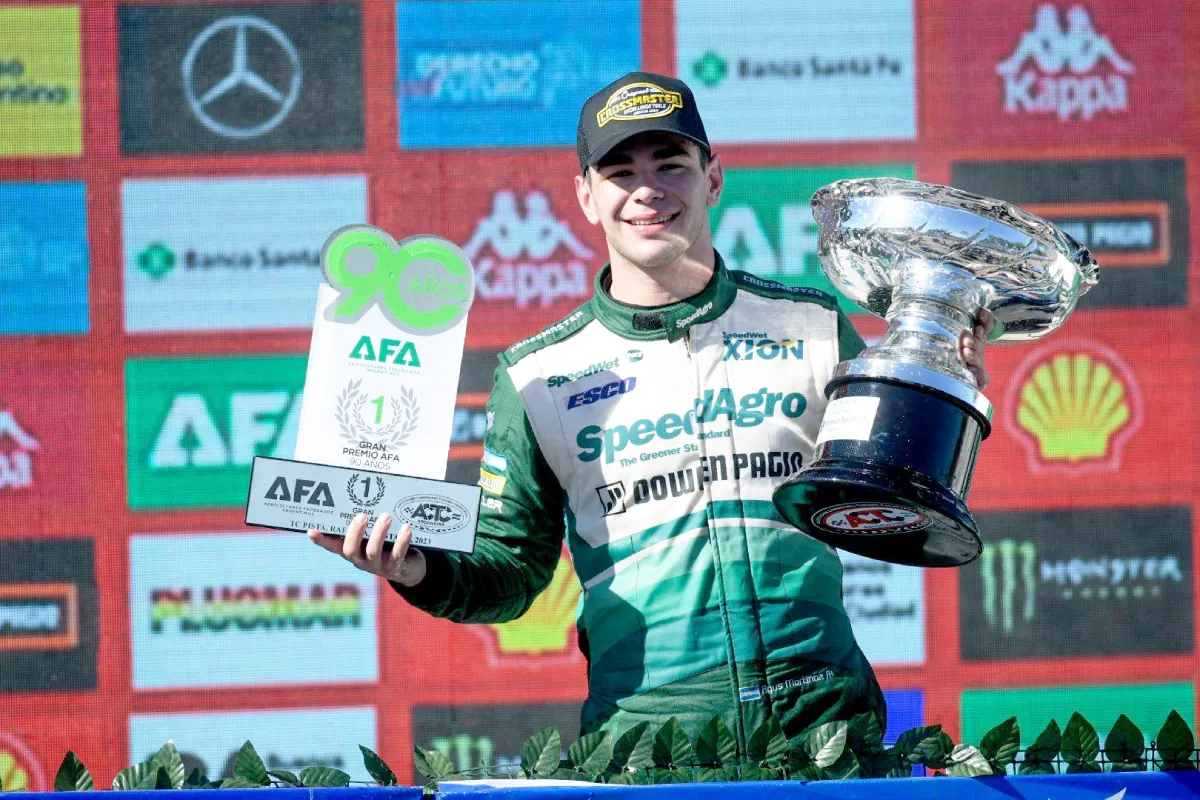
{"points": [[668, 322]]}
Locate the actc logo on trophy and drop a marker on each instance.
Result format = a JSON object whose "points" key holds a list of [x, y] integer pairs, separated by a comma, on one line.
{"points": [[897, 447], [379, 395]]}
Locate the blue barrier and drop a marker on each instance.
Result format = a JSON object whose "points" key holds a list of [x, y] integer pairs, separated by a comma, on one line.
{"points": [[1120, 786]]}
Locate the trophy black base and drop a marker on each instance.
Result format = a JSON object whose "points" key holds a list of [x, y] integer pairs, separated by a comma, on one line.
{"points": [[897, 495]]}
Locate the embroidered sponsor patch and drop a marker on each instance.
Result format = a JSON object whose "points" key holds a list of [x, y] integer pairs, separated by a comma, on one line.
{"points": [[491, 482], [639, 100]]}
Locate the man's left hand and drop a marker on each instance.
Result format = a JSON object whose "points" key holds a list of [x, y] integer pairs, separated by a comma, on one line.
{"points": [[970, 347]]}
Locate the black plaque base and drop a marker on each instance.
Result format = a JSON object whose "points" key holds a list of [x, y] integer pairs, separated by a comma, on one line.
{"points": [[897, 496]]}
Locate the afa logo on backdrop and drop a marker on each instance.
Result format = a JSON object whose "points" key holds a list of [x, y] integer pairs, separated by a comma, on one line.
{"points": [[764, 224], [40, 104], [230, 254], [253, 77], [194, 426], [799, 71], [44, 260], [232, 609], [505, 73]]}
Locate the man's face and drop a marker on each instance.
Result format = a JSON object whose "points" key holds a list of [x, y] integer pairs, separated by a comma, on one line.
{"points": [[651, 197]]}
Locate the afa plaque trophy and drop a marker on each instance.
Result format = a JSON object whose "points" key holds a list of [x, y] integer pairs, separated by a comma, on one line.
{"points": [[379, 396], [897, 447]]}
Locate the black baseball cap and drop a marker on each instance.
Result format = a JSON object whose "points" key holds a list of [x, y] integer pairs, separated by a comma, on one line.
{"points": [[636, 103]]}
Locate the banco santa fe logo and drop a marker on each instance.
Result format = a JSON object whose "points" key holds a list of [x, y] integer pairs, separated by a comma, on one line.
{"points": [[195, 425], [1074, 409], [258, 77], [523, 253], [1064, 66], [40, 104], [1074, 583]]}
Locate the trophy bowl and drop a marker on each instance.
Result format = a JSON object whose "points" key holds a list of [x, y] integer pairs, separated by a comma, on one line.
{"points": [[896, 450]]}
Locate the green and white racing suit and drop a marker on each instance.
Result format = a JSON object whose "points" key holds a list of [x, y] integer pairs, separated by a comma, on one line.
{"points": [[654, 438]]}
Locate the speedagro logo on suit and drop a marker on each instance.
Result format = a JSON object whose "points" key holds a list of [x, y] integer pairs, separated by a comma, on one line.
{"points": [[195, 425]]}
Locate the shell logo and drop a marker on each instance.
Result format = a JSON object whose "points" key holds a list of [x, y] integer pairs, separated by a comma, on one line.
{"points": [[19, 770], [1074, 408], [547, 628]]}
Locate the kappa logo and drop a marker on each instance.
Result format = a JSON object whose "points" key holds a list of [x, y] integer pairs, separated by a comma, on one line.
{"points": [[16, 454], [1076, 410], [530, 257], [301, 491], [220, 67], [1076, 48], [638, 100]]}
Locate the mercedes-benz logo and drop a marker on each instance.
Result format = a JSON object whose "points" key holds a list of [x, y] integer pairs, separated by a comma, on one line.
{"points": [[240, 75]]}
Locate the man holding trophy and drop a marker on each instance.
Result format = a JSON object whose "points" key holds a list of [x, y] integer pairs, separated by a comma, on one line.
{"points": [[652, 428]]}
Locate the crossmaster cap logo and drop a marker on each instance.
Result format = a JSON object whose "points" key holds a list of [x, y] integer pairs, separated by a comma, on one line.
{"points": [[639, 100], [424, 284], [261, 102], [1065, 66], [1076, 409]]}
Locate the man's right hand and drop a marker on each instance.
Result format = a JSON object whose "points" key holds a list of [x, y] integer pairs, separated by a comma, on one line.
{"points": [[395, 561]]}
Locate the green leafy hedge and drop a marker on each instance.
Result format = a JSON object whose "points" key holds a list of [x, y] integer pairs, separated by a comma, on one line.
{"points": [[833, 751]]}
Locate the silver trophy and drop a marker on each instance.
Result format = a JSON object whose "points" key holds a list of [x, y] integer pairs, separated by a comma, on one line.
{"points": [[897, 446]]}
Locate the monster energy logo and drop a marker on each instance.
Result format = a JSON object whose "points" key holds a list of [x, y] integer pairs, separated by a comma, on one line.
{"points": [[1015, 558]]}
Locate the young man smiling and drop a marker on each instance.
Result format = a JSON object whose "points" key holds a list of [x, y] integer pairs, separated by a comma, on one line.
{"points": [[651, 427]]}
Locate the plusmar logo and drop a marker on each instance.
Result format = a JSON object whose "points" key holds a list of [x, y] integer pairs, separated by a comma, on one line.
{"points": [[424, 284], [638, 100], [1076, 408]]}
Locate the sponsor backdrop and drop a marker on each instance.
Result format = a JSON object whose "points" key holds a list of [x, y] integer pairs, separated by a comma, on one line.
{"points": [[170, 171]]}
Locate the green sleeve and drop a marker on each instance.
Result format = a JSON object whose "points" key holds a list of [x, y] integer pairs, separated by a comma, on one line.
{"points": [[850, 344], [519, 541]]}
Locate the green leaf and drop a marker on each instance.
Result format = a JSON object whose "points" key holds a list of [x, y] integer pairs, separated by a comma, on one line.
{"points": [[845, 768], [564, 774], [433, 765], [377, 768], [716, 746], [670, 776], [671, 746], [715, 775], [916, 744], [591, 753], [1001, 744], [1046, 746], [865, 736], [128, 778], [624, 778], [237, 783], [323, 776], [1175, 740], [754, 772], [1075, 768], [968, 761], [541, 753], [1125, 743], [73, 776], [156, 778], [1080, 744], [632, 750], [1036, 767], [197, 780], [249, 767], [884, 765], [826, 743], [168, 758]]}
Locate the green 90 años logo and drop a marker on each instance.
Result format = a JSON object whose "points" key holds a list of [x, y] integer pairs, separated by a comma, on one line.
{"points": [[424, 284]]}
